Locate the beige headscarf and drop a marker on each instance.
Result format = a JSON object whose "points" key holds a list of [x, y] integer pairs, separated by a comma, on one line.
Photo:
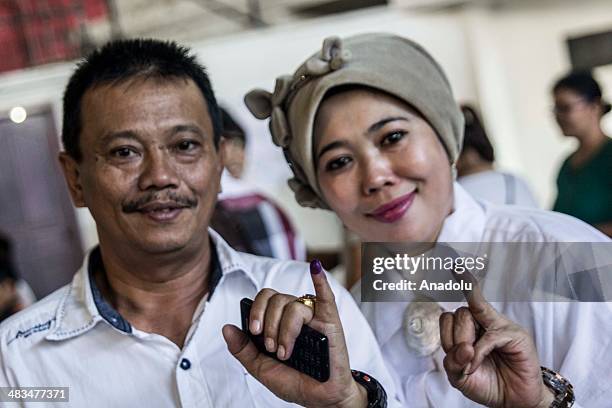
{"points": [[386, 62]]}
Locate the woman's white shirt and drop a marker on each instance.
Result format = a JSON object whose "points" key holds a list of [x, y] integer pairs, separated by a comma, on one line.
{"points": [[573, 338]]}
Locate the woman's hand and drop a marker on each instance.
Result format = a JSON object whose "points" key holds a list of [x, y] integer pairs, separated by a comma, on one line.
{"points": [[280, 318], [490, 359]]}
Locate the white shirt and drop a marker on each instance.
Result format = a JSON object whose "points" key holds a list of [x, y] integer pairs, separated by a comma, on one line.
{"points": [[73, 338], [283, 240], [574, 339], [498, 188], [232, 187]]}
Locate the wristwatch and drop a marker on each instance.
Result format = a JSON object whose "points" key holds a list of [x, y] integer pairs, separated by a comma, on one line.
{"points": [[560, 386], [377, 396]]}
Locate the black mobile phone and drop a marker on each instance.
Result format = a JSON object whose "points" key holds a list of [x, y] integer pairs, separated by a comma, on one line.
{"points": [[311, 351]]}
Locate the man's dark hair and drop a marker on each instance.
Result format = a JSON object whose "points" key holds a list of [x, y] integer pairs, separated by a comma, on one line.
{"points": [[583, 83], [231, 129], [475, 136], [122, 60]]}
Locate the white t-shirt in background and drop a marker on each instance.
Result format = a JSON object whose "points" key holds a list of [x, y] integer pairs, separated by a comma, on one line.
{"points": [[498, 188]]}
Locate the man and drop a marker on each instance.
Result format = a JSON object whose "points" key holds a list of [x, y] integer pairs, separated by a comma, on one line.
{"points": [[141, 324]]}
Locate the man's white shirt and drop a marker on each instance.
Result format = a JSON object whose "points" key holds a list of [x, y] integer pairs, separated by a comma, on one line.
{"points": [[74, 339]]}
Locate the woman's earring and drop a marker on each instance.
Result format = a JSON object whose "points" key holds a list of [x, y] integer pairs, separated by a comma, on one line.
{"points": [[454, 170]]}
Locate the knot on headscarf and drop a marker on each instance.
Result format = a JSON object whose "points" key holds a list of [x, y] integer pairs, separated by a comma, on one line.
{"points": [[331, 58], [305, 195], [264, 104]]}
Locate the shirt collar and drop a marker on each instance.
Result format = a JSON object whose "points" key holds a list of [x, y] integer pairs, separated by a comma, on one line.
{"points": [[231, 261], [83, 306], [105, 309], [77, 312], [467, 221]]}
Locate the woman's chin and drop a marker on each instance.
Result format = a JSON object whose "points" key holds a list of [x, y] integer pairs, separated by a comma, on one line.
{"points": [[398, 233]]}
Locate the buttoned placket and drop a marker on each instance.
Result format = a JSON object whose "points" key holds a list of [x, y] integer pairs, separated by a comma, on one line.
{"points": [[190, 379]]}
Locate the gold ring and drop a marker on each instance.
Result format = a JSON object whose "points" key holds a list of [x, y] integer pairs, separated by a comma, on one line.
{"points": [[308, 300]]}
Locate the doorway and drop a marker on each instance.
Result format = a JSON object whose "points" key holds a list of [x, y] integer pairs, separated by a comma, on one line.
{"points": [[35, 207]]}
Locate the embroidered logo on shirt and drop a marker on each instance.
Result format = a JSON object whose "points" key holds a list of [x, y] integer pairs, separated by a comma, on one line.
{"points": [[34, 329]]}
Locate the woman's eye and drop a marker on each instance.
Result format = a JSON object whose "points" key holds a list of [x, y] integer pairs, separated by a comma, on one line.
{"points": [[393, 137], [123, 152], [338, 163]]}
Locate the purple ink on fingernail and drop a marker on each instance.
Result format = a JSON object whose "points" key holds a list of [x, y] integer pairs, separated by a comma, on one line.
{"points": [[316, 267]]}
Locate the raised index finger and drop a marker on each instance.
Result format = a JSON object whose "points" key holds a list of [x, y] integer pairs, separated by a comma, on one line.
{"points": [[483, 312], [325, 309]]}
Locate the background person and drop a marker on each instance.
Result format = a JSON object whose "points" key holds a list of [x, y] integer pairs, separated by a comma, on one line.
{"points": [[15, 293], [476, 172], [247, 219], [584, 183]]}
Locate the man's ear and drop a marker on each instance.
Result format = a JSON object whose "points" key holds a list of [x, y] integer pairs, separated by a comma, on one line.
{"points": [[223, 155], [223, 151], [72, 176]]}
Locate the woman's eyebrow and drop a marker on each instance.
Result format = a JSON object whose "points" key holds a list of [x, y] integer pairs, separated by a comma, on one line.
{"points": [[331, 146], [378, 125]]}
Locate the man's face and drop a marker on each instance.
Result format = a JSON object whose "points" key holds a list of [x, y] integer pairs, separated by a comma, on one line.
{"points": [[150, 171], [234, 157]]}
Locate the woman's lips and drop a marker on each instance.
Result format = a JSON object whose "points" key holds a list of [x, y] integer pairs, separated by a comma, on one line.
{"points": [[393, 210]]}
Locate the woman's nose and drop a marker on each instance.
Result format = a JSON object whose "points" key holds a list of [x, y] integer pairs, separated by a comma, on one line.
{"points": [[377, 174]]}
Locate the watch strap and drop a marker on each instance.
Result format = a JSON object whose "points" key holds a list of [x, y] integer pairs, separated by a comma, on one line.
{"points": [[560, 386], [377, 396]]}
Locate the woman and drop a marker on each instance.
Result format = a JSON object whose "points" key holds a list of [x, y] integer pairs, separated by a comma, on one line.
{"points": [[585, 180], [476, 172], [371, 130]]}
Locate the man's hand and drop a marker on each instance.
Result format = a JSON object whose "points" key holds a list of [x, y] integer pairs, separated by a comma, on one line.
{"points": [[490, 359], [280, 318]]}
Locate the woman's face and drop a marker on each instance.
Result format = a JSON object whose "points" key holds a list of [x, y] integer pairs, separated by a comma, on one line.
{"points": [[381, 167], [575, 115]]}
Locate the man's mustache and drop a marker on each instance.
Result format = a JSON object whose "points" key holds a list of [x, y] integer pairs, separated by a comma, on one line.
{"points": [[169, 197]]}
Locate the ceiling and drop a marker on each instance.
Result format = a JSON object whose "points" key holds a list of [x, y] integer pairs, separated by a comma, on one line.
{"points": [[190, 19]]}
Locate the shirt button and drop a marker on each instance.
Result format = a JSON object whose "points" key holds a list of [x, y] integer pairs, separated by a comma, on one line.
{"points": [[185, 364]]}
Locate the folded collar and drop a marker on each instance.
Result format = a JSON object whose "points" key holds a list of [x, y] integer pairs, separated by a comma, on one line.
{"points": [[83, 305]]}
